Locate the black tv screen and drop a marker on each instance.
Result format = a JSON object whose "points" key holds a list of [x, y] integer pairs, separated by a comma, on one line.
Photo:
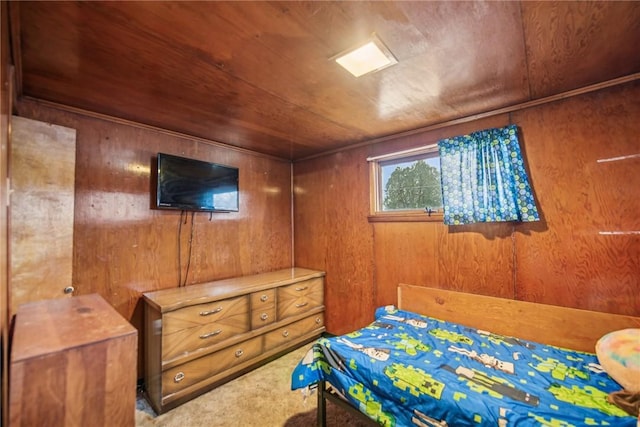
{"points": [[195, 185]]}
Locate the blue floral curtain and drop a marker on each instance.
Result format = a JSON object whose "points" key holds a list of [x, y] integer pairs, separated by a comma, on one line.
{"points": [[484, 178]]}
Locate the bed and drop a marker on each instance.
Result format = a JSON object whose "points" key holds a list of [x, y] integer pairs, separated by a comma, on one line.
{"points": [[443, 358]]}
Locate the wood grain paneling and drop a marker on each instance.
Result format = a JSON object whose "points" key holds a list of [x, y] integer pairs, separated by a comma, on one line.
{"points": [[573, 44], [331, 204], [398, 246], [6, 88], [123, 248], [214, 98], [589, 256], [423, 138], [257, 74]]}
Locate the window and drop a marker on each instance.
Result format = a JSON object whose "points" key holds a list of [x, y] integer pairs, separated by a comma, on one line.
{"points": [[406, 186]]}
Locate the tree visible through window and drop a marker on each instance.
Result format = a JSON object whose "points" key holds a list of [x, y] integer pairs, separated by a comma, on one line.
{"points": [[409, 183], [413, 185]]}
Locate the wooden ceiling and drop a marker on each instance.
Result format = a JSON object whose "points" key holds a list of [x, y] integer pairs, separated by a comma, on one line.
{"points": [[257, 75]]}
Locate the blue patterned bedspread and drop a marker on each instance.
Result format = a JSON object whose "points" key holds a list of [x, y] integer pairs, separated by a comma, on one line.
{"points": [[405, 369]]}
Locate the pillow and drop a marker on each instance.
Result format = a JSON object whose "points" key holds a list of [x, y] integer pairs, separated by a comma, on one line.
{"points": [[619, 354]]}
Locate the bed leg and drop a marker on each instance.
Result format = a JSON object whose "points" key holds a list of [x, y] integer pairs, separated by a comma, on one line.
{"points": [[322, 405]]}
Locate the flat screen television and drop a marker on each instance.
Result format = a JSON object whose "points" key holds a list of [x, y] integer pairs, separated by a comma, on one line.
{"points": [[196, 185]]}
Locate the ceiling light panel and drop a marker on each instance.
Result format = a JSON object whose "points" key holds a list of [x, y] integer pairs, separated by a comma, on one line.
{"points": [[369, 57]]}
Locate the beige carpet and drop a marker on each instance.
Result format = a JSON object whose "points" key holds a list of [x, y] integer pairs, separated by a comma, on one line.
{"points": [[262, 397]]}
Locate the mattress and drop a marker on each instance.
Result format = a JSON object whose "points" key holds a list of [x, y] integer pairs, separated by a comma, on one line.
{"points": [[405, 369]]}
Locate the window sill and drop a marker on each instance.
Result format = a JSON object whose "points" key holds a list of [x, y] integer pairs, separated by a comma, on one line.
{"points": [[405, 217]]}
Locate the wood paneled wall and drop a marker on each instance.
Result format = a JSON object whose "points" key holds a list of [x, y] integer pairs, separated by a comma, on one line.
{"points": [[584, 157], [123, 248], [6, 95], [332, 233], [575, 257]]}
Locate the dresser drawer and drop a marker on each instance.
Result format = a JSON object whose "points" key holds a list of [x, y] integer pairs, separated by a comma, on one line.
{"points": [[300, 297], [263, 308], [200, 326], [290, 332], [263, 300], [260, 318], [185, 375]]}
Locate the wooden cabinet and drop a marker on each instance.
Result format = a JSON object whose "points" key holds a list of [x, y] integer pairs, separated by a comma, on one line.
{"points": [[199, 336], [73, 363]]}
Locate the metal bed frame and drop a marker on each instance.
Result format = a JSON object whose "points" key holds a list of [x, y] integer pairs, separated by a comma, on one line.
{"points": [[325, 393]]}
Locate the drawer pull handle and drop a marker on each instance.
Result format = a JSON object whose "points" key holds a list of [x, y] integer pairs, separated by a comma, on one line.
{"points": [[264, 316], [239, 353], [210, 334], [285, 334], [302, 305], [179, 377], [264, 298], [304, 288], [318, 320], [210, 312]]}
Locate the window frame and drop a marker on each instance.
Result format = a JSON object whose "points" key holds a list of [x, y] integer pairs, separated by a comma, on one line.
{"points": [[376, 214]]}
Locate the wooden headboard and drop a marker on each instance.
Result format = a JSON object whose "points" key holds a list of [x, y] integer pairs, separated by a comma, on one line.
{"points": [[560, 326]]}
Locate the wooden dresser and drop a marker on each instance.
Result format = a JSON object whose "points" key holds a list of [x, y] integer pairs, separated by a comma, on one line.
{"points": [[200, 336], [73, 363]]}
